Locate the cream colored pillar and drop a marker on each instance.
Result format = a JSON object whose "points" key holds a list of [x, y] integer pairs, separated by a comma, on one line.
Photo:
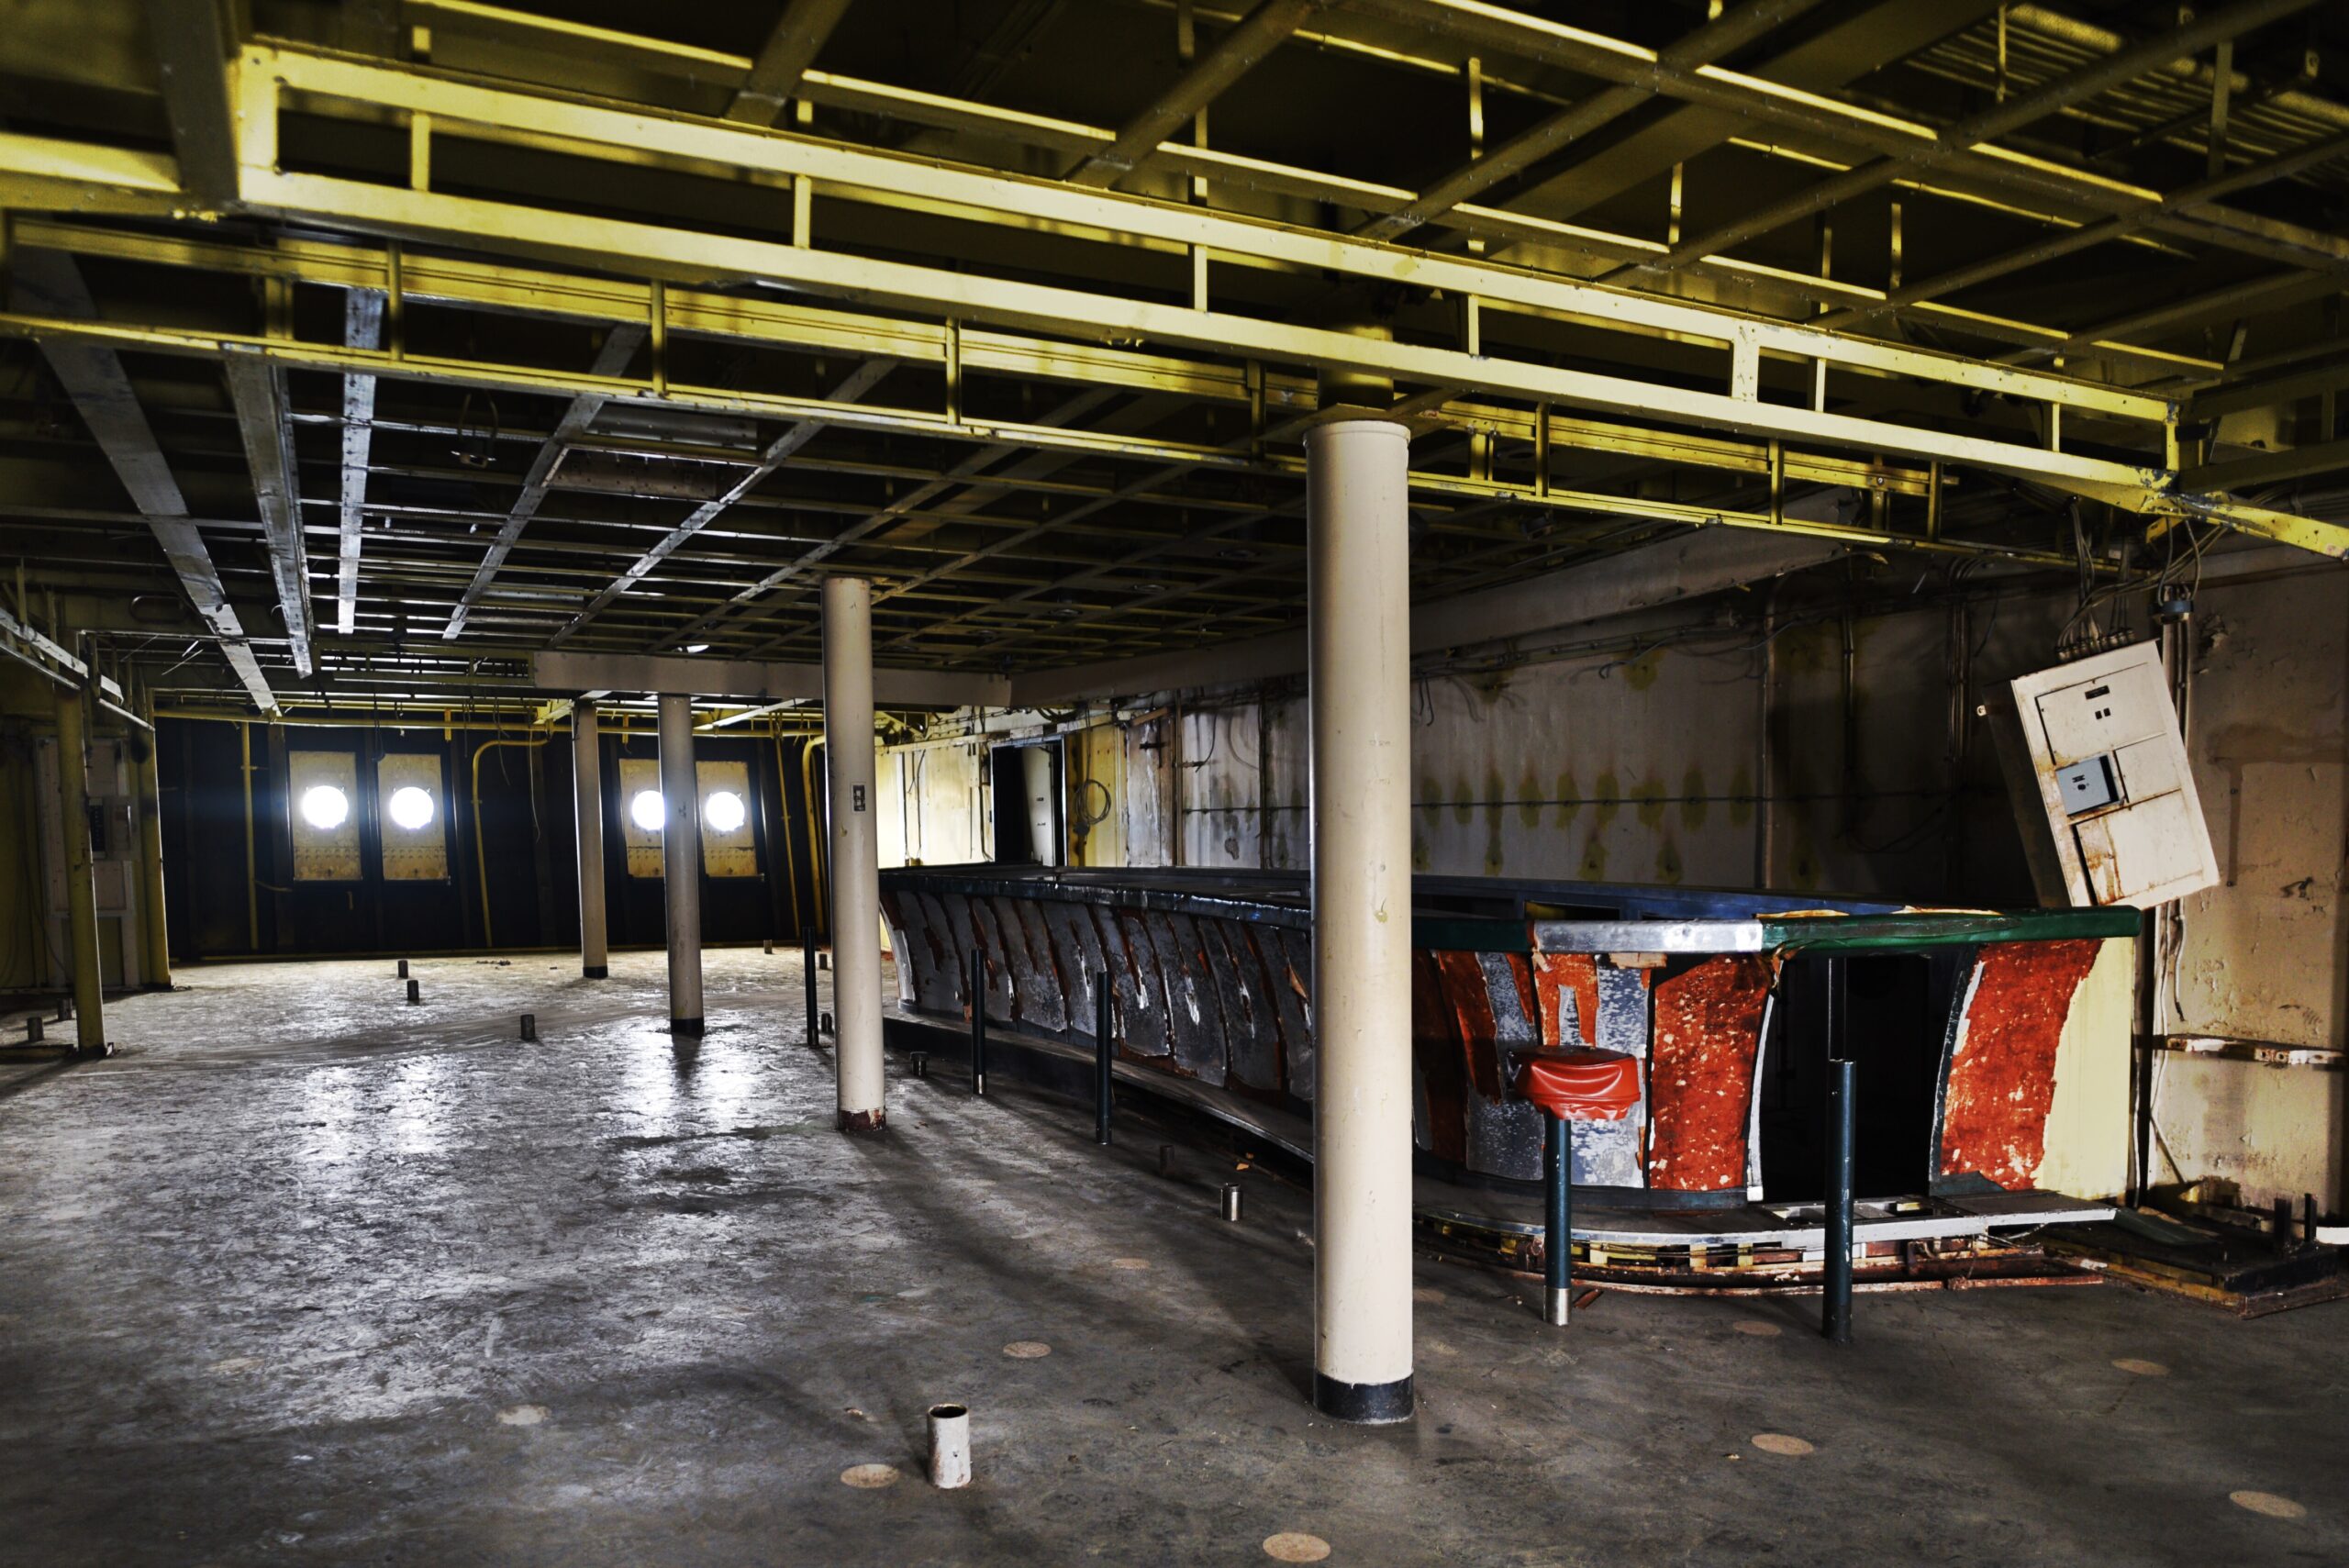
{"points": [[587, 799], [1358, 619], [681, 863], [856, 852]]}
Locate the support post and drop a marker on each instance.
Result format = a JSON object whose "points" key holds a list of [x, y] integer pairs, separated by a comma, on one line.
{"points": [[80, 891], [587, 798], [1835, 1314], [1358, 614], [808, 956], [1105, 1052], [1558, 1235], [155, 936], [680, 864], [856, 854], [978, 1023]]}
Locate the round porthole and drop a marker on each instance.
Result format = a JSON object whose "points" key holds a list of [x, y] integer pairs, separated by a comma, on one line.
{"points": [[409, 807], [647, 810], [723, 811], [324, 808]]}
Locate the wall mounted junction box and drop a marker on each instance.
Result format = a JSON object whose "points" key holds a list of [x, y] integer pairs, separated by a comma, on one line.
{"points": [[2101, 782]]}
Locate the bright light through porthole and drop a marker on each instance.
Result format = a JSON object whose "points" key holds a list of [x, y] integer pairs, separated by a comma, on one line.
{"points": [[325, 806], [723, 811], [646, 810], [410, 807]]}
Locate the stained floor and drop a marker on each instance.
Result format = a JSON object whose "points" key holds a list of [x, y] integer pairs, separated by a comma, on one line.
{"points": [[307, 1275]]}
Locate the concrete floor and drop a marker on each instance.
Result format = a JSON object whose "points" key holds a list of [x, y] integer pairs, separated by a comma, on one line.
{"points": [[307, 1275]]}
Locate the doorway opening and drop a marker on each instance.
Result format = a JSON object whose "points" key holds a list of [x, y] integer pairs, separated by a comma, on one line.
{"points": [[1024, 782]]}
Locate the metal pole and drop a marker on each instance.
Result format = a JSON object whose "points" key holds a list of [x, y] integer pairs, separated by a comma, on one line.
{"points": [[681, 863], [81, 890], [1558, 1234], [978, 1023], [1835, 1317], [156, 936], [808, 953], [1358, 624], [587, 799], [1105, 1051], [855, 855]]}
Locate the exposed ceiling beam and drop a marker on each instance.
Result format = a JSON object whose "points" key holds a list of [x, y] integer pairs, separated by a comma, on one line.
{"points": [[1846, 49], [558, 670], [192, 51], [2055, 248], [362, 325], [1976, 131], [2271, 468], [619, 347], [1234, 55], [1714, 40], [257, 391], [798, 36], [94, 378], [1682, 567], [862, 380]]}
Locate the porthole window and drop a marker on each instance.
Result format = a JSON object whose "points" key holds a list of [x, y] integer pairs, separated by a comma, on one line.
{"points": [[324, 808], [410, 809], [647, 810], [724, 811]]}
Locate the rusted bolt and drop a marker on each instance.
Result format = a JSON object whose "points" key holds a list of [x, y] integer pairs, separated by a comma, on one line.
{"points": [[403, 973], [33, 1031], [824, 1023], [414, 993], [529, 1025]]}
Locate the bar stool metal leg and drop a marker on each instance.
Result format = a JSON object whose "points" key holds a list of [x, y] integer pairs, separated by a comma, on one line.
{"points": [[1558, 1237], [1835, 1316]]}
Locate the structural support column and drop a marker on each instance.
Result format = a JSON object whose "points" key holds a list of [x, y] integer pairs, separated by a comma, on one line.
{"points": [[856, 851], [1358, 619], [80, 891], [155, 940], [587, 802], [681, 863]]}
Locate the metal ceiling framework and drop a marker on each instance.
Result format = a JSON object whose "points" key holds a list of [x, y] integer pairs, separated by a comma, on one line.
{"points": [[745, 356]]}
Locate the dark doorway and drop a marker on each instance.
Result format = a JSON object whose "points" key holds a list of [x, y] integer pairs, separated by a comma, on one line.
{"points": [[1024, 784], [1896, 1015]]}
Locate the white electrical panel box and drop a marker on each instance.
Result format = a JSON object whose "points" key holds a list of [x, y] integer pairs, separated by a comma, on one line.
{"points": [[2111, 814]]}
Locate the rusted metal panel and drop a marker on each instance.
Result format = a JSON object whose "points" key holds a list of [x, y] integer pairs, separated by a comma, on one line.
{"points": [[1194, 1012], [988, 930], [1133, 973], [1700, 1084], [2001, 1073], [1252, 1039], [950, 945], [922, 966], [1077, 952], [1289, 962], [1042, 1001]]}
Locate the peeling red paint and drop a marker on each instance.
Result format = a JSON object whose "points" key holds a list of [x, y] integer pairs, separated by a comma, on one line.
{"points": [[2002, 1071], [1700, 1073], [1435, 1047], [1554, 975], [1470, 1010]]}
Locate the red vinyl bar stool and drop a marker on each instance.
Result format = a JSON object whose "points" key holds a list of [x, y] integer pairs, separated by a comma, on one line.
{"points": [[1571, 1086]]}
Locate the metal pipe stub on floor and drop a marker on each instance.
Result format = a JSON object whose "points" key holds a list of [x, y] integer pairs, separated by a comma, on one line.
{"points": [[979, 1025], [1104, 1048]]}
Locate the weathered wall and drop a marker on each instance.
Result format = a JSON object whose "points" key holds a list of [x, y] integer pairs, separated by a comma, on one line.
{"points": [[1838, 751]]}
